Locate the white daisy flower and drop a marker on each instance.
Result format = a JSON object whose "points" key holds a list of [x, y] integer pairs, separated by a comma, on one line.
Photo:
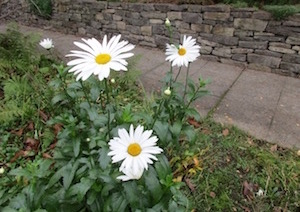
{"points": [[129, 175], [47, 43], [99, 58], [136, 149], [183, 54]]}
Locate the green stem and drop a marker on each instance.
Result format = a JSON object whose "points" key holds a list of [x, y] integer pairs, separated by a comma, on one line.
{"points": [[186, 80], [171, 76], [177, 74], [156, 113], [85, 94], [108, 111]]}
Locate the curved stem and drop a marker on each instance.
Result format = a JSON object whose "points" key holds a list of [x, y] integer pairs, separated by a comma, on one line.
{"points": [[177, 74], [186, 80], [156, 113], [85, 94]]}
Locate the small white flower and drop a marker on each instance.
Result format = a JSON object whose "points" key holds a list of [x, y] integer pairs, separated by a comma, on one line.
{"points": [[88, 139], [167, 22], [47, 43], [2, 170], [260, 192], [99, 58], [183, 54], [167, 91], [113, 81], [136, 149], [129, 175]]}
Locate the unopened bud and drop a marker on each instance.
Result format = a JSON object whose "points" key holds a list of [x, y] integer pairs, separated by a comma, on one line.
{"points": [[167, 91], [88, 140], [167, 22], [2, 170], [113, 81]]}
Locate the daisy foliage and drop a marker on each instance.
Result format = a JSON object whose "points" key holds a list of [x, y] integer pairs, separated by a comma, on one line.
{"points": [[99, 58], [135, 149], [183, 54]]}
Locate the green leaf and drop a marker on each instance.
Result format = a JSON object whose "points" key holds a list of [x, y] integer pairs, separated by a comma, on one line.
{"points": [[21, 172], [58, 98], [104, 159], [161, 130], [69, 173], [153, 184], [131, 192], [56, 177], [192, 112], [76, 146], [81, 188], [162, 167], [19, 202], [176, 129], [118, 202]]}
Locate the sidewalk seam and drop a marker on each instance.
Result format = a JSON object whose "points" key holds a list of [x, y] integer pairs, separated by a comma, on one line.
{"points": [[213, 109]]}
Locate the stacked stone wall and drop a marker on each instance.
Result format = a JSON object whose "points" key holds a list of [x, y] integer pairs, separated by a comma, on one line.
{"points": [[244, 37]]}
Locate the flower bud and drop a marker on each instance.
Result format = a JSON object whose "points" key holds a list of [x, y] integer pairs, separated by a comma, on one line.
{"points": [[88, 140], [167, 22], [113, 81], [2, 170], [167, 91]]}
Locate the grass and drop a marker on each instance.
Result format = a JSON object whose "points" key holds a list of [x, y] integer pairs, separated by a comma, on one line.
{"points": [[225, 169]]}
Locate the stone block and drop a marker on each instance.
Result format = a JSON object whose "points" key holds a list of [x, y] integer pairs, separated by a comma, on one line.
{"points": [[239, 57], [218, 16], [146, 30], [182, 7], [291, 23], [207, 42], [241, 51], [272, 62], [194, 18], [210, 58], [297, 48], [121, 25], [201, 28], [295, 68], [194, 8], [281, 50], [268, 53], [269, 38], [81, 31], [117, 17], [221, 30], [281, 71], [205, 50], [110, 11], [133, 29], [241, 14], [174, 16], [164, 8], [136, 7], [278, 44], [293, 40], [233, 62], [216, 8], [148, 7], [243, 33], [154, 14], [262, 15], [75, 17], [222, 52], [156, 21], [136, 21], [259, 67], [254, 44], [181, 25], [291, 58], [284, 30], [161, 40], [250, 24], [158, 29], [225, 40]]}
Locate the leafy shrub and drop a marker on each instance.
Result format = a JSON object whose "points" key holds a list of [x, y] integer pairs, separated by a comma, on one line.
{"points": [[282, 11], [42, 8]]}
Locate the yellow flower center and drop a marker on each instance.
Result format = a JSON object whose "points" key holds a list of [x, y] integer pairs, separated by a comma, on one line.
{"points": [[134, 149], [181, 51], [102, 58]]}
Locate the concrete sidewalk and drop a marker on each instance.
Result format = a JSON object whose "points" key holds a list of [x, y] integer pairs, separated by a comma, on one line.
{"points": [[265, 105]]}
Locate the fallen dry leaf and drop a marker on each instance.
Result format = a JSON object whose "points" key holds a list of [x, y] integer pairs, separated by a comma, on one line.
{"points": [[249, 189], [30, 126], [57, 128], [274, 148], [43, 115], [18, 132], [19, 154], [225, 132], [212, 194], [47, 155], [193, 122], [32, 144], [189, 184]]}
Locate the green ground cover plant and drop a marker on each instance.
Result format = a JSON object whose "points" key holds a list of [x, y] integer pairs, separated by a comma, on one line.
{"points": [[64, 154]]}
